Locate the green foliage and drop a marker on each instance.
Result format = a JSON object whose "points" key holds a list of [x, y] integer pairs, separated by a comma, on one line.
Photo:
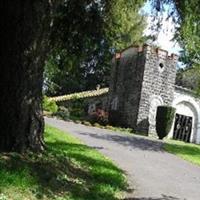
{"points": [[62, 73], [77, 108], [189, 77], [124, 26], [85, 36], [189, 32], [189, 38], [85, 42], [186, 18], [66, 170], [164, 120], [77, 112], [49, 105], [63, 113], [185, 15]]}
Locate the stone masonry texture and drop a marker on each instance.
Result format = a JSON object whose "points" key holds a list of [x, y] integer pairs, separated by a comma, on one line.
{"points": [[139, 72]]}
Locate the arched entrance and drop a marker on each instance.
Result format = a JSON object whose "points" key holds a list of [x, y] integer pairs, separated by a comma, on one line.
{"points": [[186, 122], [154, 102]]}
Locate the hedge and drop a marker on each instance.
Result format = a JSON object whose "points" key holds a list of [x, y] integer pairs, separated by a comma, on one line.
{"points": [[164, 120]]}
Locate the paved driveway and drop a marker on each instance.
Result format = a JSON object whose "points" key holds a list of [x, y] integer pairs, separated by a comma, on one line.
{"points": [[152, 173]]}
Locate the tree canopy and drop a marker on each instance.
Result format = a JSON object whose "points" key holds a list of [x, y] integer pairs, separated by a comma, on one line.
{"points": [[185, 14], [186, 17], [85, 36]]}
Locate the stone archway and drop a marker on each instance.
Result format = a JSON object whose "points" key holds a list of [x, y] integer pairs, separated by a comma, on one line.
{"points": [[154, 102], [189, 107]]}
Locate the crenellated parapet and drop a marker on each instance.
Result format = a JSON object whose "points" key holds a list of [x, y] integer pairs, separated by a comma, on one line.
{"points": [[142, 76]]}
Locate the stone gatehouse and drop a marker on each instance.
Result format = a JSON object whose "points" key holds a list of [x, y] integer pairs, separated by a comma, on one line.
{"points": [[143, 78]]}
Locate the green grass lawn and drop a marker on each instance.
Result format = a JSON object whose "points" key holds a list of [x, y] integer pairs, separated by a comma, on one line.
{"points": [[68, 170], [189, 152]]}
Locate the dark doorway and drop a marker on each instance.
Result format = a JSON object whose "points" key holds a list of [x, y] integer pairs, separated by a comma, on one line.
{"points": [[182, 128]]}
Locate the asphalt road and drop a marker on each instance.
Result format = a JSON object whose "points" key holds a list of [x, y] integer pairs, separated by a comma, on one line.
{"points": [[153, 174]]}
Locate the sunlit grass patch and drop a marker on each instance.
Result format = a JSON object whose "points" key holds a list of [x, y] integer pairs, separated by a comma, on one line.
{"points": [[187, 151], [68, 169]]}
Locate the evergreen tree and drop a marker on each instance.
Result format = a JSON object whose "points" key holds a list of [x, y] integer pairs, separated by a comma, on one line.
{"points": [[86, 41]]}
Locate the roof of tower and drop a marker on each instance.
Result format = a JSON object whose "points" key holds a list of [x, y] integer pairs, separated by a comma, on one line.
{"points": [[161, 52]]}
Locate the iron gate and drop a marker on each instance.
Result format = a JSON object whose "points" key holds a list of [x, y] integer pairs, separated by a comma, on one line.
{"points": [[182, 128]]}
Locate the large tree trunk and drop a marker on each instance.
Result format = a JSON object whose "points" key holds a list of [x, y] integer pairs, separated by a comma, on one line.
{"points": [[23, 50]]}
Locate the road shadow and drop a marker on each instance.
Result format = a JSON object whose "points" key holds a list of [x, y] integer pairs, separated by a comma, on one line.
{"points": [[133, 142]]}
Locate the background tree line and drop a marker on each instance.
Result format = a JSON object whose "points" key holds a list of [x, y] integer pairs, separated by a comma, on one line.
{"points": [[186, 17], [85, 36]]}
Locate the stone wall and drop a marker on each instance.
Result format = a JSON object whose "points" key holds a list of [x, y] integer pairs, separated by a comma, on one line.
{"points": [[186, 103], [125, 87], [157, 87], [139, 76], [88, 104]]}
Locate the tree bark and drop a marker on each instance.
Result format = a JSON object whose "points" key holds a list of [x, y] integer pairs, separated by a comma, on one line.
{"points": [[23, 49]]}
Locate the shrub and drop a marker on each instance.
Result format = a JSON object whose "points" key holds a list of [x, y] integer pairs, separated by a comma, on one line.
{"points": [[63, 113], [77, 108], [164, 119], [49, 105], [115, 118], [77, 112], [99, 116]]}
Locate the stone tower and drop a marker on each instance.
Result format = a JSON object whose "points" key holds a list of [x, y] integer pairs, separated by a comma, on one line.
{"points": [[142, 78]]}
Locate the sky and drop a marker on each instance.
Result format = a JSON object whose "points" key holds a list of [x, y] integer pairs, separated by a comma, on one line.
{"points": [[165, 36]]}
